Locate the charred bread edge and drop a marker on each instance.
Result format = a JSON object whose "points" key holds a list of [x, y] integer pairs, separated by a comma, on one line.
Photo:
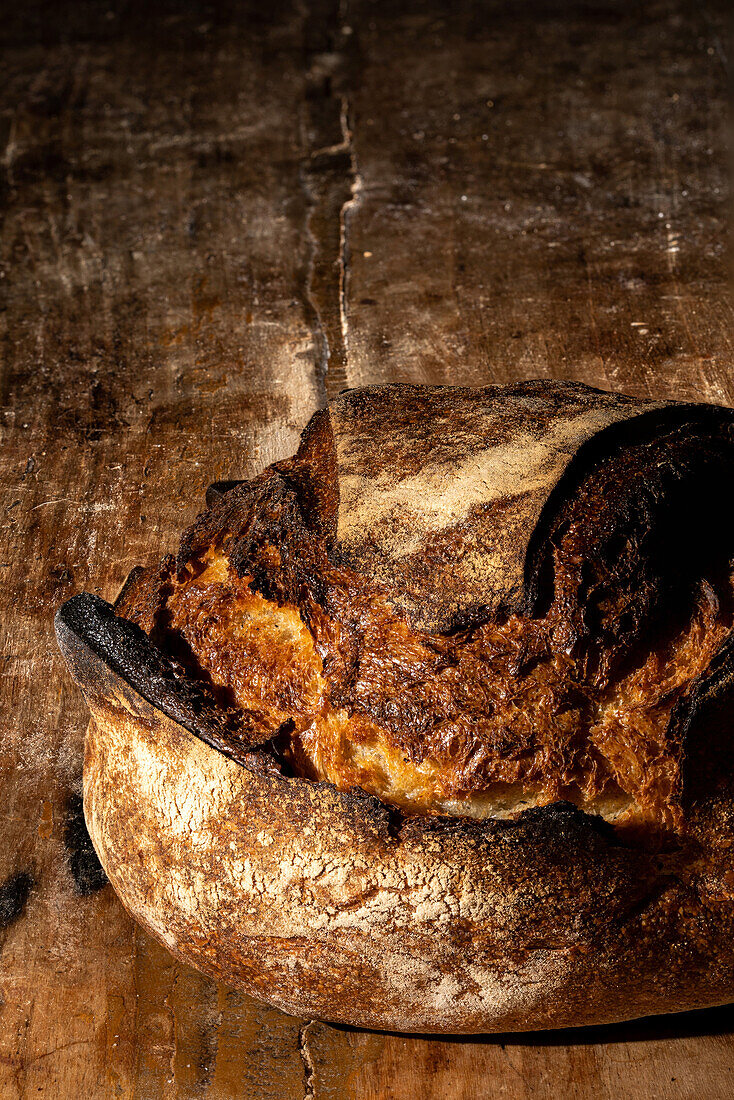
{"points": [[603, 445], [101, 647]]}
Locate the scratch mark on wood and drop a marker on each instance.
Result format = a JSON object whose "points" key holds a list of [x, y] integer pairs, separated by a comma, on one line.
{"points": [[48, 1053], [313, 317]]}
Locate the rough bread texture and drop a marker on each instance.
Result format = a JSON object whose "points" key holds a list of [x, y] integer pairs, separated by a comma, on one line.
{"points": [[548, 525], [333, 903], [326, 904], [440, 488]]}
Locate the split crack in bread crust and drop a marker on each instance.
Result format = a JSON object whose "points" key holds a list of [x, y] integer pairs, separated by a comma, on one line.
{"points": [[467, 602]]}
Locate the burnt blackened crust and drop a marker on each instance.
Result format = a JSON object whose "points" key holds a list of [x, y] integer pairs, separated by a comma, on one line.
{"points": [[106, 653], [709, 428], [311, 472], [643, 500]]}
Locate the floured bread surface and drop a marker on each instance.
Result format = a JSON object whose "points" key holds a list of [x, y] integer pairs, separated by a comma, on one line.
{"points": [[440, 508], [572, 695]]}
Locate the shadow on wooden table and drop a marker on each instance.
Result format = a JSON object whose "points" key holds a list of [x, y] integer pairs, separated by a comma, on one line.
{"points": [[676, 1025]]}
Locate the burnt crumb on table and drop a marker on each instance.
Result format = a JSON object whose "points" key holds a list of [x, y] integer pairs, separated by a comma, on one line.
{"points": [[13, 897], [87, 872]]}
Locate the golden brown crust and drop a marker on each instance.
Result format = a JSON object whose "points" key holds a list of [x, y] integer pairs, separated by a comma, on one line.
{"points": [[442, 723], [593, 660], [513, 710]]}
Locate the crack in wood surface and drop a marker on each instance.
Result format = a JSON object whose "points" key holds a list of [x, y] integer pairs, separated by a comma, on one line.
{"points": [[313, 315], [332, 186], [307, 1059], [347, 213]]}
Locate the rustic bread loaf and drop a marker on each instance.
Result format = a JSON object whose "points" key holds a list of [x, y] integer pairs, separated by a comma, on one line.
{"points": [[426, 728]]}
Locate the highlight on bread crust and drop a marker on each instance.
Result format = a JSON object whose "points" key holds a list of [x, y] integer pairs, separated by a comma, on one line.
{"points": [[565, 691]]}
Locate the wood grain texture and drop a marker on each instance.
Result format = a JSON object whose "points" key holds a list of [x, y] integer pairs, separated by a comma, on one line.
{"points": [[214, 217]]}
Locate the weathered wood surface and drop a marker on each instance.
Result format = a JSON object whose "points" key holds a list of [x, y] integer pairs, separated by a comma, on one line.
{"points": [[214, 216]]}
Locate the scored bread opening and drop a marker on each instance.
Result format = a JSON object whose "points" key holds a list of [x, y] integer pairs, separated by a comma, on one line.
{"points": [[484, 723]]}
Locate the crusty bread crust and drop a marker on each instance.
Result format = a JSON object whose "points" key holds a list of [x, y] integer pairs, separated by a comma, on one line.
{"points": [[332, 904], [326, 904], [567, 536]]}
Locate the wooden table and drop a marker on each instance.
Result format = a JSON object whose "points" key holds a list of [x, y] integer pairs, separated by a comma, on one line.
{"points": [[216, 216]]}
